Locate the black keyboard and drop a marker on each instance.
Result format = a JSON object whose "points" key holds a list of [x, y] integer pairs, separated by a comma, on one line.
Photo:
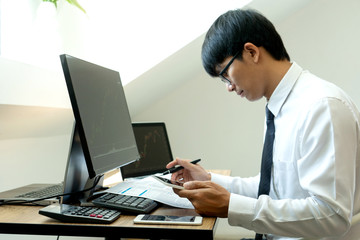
{"points": [[79, 214], [52, 190], [126, 203]]}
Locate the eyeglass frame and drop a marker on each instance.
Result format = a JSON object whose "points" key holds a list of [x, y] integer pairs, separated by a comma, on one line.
{"points": [[221, 76]]}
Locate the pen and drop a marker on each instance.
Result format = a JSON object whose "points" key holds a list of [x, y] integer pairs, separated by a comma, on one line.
{"points": [[177, 168]]}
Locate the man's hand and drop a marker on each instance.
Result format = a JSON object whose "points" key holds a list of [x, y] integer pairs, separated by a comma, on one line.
{"points": [[208, 198], [190, 172]]}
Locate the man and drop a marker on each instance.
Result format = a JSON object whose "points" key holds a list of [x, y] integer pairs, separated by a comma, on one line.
{"points": [[315, 170]]}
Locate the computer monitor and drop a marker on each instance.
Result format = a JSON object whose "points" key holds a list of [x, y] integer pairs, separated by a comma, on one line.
{"points": [[103, 138], [154, 147]]}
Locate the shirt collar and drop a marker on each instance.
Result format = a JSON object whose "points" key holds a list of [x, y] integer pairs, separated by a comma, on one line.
{"points": [[283, 89]]}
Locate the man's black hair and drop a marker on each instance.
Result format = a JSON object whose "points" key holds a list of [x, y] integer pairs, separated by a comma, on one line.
{"points": [[232, 30]]}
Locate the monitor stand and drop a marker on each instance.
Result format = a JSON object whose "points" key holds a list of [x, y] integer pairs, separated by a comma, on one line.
{"points": [[77, 175]]}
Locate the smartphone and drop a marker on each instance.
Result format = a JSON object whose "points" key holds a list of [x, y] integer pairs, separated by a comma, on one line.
{"points": [[167, 219], [168, 182]]}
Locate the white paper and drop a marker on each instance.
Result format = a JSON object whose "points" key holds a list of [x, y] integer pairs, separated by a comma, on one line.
{"points": [[152, 189]]}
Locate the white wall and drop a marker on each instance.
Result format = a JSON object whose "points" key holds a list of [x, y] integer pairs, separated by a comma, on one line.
{"points": [[206, 122], [324, 38]]}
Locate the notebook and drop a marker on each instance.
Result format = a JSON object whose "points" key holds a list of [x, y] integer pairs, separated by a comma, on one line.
{"points": [[154, 148]]}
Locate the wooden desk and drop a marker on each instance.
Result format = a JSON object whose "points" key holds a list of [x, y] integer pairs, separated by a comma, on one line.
{"points": [[26, 220]]}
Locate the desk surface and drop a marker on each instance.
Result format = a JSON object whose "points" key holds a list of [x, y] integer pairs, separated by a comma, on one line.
{"points": [[26, 220]]}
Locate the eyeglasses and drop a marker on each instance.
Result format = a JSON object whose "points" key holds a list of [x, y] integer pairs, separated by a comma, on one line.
{"points": [[221, 74]]}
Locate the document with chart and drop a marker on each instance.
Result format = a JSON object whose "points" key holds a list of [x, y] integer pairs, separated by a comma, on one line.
{"points": [[152, 189]]}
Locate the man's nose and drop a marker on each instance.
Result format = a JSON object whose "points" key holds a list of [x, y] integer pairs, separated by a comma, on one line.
{"points": [[230, 87]]}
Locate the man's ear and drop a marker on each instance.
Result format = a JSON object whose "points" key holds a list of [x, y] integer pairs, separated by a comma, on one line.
{"points": [[253, 51]]}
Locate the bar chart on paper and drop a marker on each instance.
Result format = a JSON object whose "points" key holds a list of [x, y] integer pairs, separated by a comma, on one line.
{"points": [[152, 189]]}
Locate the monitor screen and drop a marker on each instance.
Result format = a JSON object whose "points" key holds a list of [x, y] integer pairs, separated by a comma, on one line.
{"points": [[154, 147], [101, 114]]}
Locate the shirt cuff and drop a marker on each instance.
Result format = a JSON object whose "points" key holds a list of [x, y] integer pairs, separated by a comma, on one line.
{"points": [[241, 211]]}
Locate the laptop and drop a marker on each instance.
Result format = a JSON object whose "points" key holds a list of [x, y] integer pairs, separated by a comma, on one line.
{"points": [[32, 192], [154, 148]]}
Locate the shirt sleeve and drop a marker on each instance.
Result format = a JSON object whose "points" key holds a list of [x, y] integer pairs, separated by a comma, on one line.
{"points": [[243, 186], [325, 166]]}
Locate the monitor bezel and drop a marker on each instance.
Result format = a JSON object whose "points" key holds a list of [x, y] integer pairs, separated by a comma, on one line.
{"points": [[78, 120]]}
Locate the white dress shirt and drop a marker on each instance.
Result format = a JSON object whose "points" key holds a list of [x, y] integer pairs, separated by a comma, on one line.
{"points": [[315, 183]]}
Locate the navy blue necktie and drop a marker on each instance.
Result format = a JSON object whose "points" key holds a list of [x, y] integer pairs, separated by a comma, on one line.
{"points": [[267, 158]]}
